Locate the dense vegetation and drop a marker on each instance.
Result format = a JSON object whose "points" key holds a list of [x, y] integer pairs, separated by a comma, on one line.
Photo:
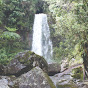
{"points": [[71, 29], [71, 24], [16, 20], [68, 20]]}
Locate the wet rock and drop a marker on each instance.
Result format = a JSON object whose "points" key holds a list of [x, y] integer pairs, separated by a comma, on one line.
{"points": [[24, 62], [53, 68], [35, 78]]}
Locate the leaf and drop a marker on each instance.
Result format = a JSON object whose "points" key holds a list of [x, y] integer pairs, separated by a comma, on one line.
{"points": [[11, 29]]}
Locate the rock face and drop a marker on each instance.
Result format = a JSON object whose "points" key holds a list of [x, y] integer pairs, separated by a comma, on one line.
{"points": [[53, 68], [24, 62], [35, 78]]}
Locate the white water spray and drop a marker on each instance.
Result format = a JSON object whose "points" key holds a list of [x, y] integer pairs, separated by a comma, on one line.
{"points": [[41, 43]]}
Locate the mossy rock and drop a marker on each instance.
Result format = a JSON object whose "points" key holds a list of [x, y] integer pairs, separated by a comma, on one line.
{"points": [[77, 73], [24, 62], [35, 78]]}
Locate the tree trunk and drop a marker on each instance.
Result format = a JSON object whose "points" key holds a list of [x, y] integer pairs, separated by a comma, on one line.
{"points": [[85, 59]]}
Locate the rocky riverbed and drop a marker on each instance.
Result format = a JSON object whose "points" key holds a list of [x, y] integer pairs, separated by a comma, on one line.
{"points": [[66, 78], [28, 70]]}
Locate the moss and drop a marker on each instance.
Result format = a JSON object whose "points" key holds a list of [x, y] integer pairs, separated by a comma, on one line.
{"points": [[12, 77], [77, 73], [31, 53], [21, 60], [27, 54], [50, 81], [43, 60], [24, 58]]}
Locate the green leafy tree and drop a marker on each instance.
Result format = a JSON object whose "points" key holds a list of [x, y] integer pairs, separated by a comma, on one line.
{"points": [[9, 45], [71, 22], [20, 14]]}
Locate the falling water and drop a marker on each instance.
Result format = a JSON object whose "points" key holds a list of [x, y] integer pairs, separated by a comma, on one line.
{"points": [[42, 44]]}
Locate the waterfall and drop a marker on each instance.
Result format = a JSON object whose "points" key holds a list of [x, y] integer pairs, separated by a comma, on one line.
{"points": [[41, 43]]}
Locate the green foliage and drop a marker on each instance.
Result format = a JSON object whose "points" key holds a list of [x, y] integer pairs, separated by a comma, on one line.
{"points": [[72, 24], [60, 52], [16, 18], [10, 36], [19, 14], [77, 73], [3, 53], [1, 12], [11, 29], [3, 56], [10, 45]]}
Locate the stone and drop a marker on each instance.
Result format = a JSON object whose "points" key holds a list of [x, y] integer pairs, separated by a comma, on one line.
{"points": [[24, 62], [83, 84], [53, 68], [6, 82], [66, 84], [35, 78], [64, 65], [61, 78]]}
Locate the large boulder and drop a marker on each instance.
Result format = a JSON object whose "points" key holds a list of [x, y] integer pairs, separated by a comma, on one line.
{"points": [[61, 79], [53, 68], [65, 81], [35, 78], [24, 62]]}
